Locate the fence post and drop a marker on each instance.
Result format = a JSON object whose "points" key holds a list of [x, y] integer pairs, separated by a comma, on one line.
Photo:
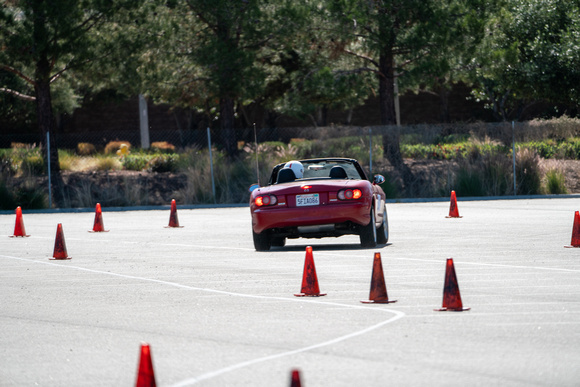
{"points": [[257, 162], [144, 122], [397, 106], [514, 156], [211, 164], [371, 152], [48, 162]]}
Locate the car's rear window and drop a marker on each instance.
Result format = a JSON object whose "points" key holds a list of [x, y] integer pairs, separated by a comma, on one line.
{"points": [[322, 169]]}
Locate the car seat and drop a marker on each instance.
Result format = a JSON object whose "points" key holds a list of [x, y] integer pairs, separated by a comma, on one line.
{"points": [[337, 172], [285, 175]]}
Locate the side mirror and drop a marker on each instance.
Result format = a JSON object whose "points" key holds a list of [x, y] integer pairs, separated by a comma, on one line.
{"points": [[378, 179], [254, 187]]}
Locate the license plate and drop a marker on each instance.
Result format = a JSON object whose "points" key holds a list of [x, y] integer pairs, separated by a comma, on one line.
{"points": [[307, 200]]}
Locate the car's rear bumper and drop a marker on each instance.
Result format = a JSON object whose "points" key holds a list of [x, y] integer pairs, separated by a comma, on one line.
{"points": [[280, 218]]}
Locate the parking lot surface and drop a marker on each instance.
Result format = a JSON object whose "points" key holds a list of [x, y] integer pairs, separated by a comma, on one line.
{"points": [[217, 313]]}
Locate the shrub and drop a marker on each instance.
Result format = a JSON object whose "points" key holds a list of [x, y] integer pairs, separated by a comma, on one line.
{"points": [[108, 164], [7, 164], [135, 162], [469, 182], [33, 164], [27, 195], [67, 160], [163, 163], [21, 145], [31, 197], [113, 146], [86, 149], [528, 172], [555, 182], [7, 201], [571, 148], [163, 146], [484, 173]]}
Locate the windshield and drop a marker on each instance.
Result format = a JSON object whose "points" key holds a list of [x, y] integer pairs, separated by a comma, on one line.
{"points": [[322, 168], [331, 168]]}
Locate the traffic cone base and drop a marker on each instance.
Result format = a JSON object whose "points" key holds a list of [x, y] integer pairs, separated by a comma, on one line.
{"points": [[451, 295], [378, 301], [309, 278], [60, 252], [310, 295], [173, 219], [19, 230], [462, 309], [378, 292], [98, 225], [453, 210], [575, 231]]}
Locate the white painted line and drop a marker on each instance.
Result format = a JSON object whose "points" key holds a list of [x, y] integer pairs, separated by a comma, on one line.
{"points": [[209, 375], [213, 374]]}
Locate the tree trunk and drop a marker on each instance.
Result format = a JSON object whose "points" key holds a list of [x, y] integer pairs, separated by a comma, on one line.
{"points": [[45, 116], [391, 134], [228, 133], [47, 124]]}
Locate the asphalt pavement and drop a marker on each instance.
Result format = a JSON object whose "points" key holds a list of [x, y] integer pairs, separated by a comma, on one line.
{"points": [[217, 313]]}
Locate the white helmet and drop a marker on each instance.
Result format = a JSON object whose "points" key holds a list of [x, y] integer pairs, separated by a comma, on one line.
{"points": [[297, 167]]}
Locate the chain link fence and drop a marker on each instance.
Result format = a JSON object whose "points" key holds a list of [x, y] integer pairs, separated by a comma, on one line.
{"points": [[504, 132], [438, 156]]}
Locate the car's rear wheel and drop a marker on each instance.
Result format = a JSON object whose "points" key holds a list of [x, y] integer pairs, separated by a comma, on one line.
{"points": [[278, 241], [383, 231], [262, 241], [368, 233]]}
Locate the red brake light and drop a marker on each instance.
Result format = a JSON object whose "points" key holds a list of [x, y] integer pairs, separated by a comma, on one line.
{"points": [[266, 200], [349, 194]]}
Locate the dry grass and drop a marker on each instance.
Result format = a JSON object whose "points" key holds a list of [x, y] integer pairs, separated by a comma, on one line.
{"points": [[74, 163]]}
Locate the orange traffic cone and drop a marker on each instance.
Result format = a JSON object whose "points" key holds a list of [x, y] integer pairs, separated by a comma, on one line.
{"points": [[309, 279], [19, 230], [453, 210], [378, 293], [173, 220], [451, 296], [295, 379], [98, 226], [145, 374], [575, 231], [59, 245]]}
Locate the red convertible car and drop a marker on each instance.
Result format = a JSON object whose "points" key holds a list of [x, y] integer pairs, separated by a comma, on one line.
{"points": [[316, 198]]}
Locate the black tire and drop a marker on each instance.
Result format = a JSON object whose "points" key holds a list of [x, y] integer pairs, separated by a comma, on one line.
{"points": [[278, 241], [383, 231], [262, 241], [368, 233]]}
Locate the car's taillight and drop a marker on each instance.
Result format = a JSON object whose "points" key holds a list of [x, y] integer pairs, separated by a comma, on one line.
{"points": [[266, 200], [349, 194]]}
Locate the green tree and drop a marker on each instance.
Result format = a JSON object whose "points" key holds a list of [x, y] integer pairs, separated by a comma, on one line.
{"points": [[216, 56], [391, 37], [530, 55], [47, 42], [318, 77], [441, 70]]}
